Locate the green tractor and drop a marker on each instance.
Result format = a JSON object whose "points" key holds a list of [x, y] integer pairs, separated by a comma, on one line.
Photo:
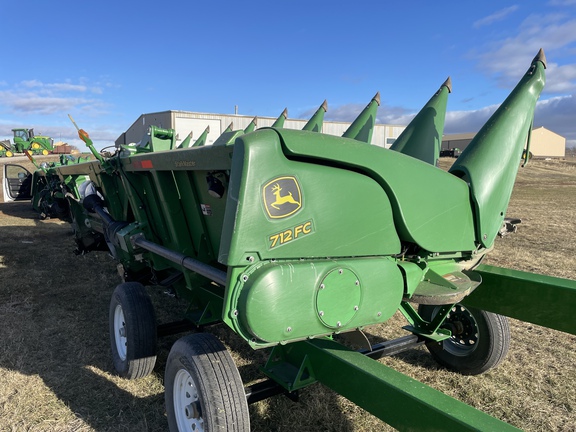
{"points": [[24, 139]]}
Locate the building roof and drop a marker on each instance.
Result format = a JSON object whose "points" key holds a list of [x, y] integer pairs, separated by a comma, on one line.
{"points": [[548, 130]]}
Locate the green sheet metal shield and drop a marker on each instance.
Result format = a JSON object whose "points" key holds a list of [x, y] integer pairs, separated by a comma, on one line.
{"points": [[338, 297]]}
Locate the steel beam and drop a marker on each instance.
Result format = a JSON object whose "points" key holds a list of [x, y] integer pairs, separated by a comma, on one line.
{"points": [[543, 300], [397, 399]]}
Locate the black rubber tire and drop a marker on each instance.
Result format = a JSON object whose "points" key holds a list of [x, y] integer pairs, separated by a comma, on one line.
{"points": [[216, 401], [480, 340], [134, 352]]}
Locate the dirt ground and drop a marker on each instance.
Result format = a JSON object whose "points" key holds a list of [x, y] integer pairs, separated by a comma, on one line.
{"points": [[56, 371]]}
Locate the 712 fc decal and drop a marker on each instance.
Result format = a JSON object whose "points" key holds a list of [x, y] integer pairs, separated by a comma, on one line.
{"points": [[290, 234]]}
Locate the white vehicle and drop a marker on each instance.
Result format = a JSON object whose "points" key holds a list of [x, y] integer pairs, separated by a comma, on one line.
{"points": [[17, 183]]}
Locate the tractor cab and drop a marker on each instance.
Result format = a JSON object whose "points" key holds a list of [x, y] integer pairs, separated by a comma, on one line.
{"points": [[23, 134]]}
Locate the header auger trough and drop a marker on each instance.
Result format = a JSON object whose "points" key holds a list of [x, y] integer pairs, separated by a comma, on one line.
{"points": [[292, 237]]}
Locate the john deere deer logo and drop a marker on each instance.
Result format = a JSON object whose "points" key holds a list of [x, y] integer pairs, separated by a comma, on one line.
{"points": [[282, 197]]}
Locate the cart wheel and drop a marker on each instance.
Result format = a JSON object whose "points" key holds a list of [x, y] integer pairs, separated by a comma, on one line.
{"points": [[203, 388], [479, 342], [132, 331]]}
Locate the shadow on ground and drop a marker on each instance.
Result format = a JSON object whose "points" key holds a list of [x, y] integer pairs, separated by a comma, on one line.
{"points": [[54, 308]]}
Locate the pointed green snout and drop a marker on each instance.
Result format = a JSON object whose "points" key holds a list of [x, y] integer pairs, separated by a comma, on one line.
{"points": [[491, 161]]}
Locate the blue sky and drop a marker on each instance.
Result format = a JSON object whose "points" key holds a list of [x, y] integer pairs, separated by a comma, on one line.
{"points": [[107, 62]]}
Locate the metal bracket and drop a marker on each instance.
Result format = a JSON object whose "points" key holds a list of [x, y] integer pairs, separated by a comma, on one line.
{"points": [[290, 375], [430, 330], [134, 238]]}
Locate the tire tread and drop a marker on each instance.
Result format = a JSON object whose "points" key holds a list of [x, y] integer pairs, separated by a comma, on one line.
{"points": [[219, 383], [141, 322]]}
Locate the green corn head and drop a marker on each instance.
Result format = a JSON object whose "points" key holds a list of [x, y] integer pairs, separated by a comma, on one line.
{"points": [[293, 236]]}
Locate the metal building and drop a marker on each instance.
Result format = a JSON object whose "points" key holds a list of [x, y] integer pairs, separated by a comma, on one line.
{"points": [[184, 122], [544, 143]]}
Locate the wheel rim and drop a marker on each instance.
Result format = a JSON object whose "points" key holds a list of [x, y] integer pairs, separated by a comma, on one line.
{"points": [[187, 408], [464, 327], [120, 332]]}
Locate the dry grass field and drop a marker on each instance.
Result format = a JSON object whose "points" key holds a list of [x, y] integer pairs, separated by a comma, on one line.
{"points": [[56, 368]]}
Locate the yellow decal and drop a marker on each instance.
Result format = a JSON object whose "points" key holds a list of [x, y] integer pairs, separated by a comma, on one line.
{"points": [[282, 197], [290, 234]]}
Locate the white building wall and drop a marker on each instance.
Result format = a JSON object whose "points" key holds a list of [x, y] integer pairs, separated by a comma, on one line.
{"points": [[139, 128], [543, 143], [184, 122], [183, 126]]}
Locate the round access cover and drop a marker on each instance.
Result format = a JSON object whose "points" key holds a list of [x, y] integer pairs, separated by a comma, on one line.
{"points": [[338, 297]]}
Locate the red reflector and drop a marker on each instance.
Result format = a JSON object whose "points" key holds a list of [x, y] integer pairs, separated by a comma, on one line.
{"points": [[147, 164]]}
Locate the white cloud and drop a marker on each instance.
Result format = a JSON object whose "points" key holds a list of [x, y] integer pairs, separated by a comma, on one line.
{"points": [[507, 58], [557, 114], [556, 33], [31, 83], [37, 97], [467, 121], [344, 112], [496, 16], [560, 79], [348, 112], [53, 87], [562, 2]]}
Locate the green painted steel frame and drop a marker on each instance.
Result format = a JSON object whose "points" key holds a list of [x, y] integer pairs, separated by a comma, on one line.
{"points": [[159, 194], [171, 192], [544, 300], [430, 330], [400, 401]]}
